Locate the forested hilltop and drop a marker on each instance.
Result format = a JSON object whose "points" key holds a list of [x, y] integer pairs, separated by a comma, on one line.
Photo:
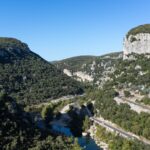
{"points": [[29, 78]]}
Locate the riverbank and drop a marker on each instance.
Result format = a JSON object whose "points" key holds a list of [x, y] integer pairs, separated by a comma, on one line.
{"points": [[101, 144]]}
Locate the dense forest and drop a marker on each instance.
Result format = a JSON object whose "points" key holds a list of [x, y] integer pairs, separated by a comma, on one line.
{"points": [[29, 78], [121, 114], [133, 74], [119, 143], [17, 131]]}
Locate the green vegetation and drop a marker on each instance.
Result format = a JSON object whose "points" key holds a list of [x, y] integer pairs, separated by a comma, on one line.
{"points": [[56, 106], [139, 29], [133, 74], [9, 44], [91, 65], [47, 113], [121, 114], [133, 39], [86, 124], [80, 122], [76, 123], [116, 142], [31, 80], [76, 145], [127, 93], [27, 77], [74, 63], [11, 48], [17, 131], [128, 74], [146, 100]]}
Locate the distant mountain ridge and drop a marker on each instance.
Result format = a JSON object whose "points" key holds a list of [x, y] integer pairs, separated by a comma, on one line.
{"points": [[93, 69]]}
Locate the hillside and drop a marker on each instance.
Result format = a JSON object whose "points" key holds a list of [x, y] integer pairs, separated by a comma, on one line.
{"points": [[111, 71], [122, 99], [93, 69], [29, 78], [125, 98], [117, 92], [133, 75], [17, 131]]}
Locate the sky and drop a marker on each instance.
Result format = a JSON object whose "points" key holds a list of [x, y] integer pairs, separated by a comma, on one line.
{"points": [[58, 29]]}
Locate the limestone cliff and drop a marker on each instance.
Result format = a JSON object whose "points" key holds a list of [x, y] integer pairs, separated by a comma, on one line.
{"points": [[137, 41]]}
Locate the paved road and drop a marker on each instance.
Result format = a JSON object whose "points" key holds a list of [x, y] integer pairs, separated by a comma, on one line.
{"points": [[140, 105], [122, 132], [104, 124], [64, 98]]}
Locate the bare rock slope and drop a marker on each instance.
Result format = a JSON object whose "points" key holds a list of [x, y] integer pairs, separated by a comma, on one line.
{"points": [[137, 41]]}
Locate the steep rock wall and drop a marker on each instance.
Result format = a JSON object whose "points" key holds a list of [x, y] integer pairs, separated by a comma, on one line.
{"points": [[139, 44]]}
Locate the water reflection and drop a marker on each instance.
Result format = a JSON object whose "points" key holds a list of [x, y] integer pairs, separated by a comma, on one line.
{"points": [[85, 142]]}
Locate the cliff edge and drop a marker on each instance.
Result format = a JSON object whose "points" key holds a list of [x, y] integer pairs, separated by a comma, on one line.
{"points": [[137, 41]]}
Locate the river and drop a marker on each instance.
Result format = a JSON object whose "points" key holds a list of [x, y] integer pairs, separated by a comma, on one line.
{"points": [[87, 143]]}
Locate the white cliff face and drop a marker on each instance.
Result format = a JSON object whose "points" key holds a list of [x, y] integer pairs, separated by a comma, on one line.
{"points": [[139, 44], [81, 76], [67, 72]]}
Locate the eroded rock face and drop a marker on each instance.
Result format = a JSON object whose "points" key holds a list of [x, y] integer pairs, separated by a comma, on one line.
{"points": [[139, 44], [67, 72], [83, 76], [80, 76]]}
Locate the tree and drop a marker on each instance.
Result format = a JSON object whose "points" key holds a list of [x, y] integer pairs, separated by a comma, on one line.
{"points": [[47, 113], [146, 132], [76, 146], [86, 124], [127, 93]]}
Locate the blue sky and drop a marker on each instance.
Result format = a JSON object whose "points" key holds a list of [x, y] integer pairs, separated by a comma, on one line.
{"points": [[57, 29]]}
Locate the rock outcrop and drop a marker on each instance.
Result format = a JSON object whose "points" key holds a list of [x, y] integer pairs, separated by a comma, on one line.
{"points": [[11, 48], [80, 76], [137, 41]]}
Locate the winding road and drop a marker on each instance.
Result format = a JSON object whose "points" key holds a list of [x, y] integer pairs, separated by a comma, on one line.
{"points": [[140, 105], [134, 106], [118, 130]]}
